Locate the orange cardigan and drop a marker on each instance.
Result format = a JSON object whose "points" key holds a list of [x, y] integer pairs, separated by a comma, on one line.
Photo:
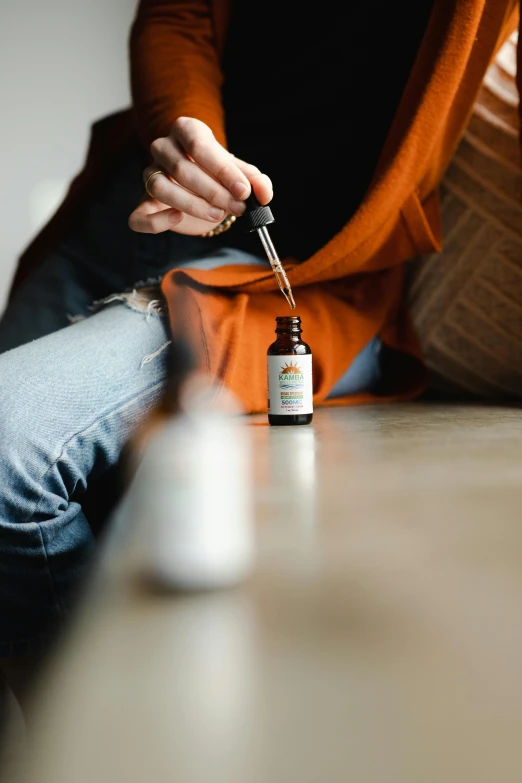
{"points": [[352, 289]]}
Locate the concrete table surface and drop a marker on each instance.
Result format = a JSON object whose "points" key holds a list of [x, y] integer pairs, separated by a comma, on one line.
{"points": [[379, 639]]}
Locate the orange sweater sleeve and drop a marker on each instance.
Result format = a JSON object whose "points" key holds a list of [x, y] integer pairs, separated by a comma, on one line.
{"points": [[518, 76], [174, 67]]}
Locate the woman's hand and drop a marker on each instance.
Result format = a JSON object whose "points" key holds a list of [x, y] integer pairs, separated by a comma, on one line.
{"points": [[202, 183]]}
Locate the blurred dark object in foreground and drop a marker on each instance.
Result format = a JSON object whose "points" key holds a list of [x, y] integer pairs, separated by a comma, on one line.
{"points": [[106, 491]]}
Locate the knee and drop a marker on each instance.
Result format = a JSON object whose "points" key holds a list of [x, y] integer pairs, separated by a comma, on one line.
{"points": [[20, 412], [27, 422]]}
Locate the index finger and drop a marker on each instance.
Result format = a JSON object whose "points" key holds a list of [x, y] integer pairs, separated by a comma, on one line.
{"points": [[201, 145]]}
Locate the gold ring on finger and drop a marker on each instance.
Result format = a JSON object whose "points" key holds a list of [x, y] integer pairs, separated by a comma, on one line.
{"points": [[151, 176]]}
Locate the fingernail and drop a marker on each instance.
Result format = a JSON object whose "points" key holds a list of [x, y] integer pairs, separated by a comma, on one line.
{"points": [[239, 189], [216, 214], [237, 207], [174, 216]]}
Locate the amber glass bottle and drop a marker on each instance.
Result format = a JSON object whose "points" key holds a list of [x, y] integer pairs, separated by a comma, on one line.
{"points": [[289, 367]]}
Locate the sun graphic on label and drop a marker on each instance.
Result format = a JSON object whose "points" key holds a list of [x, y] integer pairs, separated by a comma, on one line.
{"points": [[291, 368]]}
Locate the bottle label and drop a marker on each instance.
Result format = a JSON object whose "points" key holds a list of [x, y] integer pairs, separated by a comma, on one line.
{"points": [[289, 384]]}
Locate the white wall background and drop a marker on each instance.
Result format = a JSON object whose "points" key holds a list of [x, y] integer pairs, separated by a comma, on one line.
{"points": [[63, 64]]}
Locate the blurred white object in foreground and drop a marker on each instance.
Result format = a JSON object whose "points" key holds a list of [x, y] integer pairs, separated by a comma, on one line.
{"points": [[190, 500]]}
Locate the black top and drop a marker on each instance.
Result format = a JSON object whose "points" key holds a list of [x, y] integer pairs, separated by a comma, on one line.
{"points": [[309, 97]]}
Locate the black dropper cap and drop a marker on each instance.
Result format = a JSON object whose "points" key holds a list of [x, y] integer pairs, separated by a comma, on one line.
{"points": [[256, 216]]}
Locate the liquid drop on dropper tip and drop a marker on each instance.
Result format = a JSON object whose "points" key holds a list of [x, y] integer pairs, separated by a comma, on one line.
{"points": [[289, 298]]}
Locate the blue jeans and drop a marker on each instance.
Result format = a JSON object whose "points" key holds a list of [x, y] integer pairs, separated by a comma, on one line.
{"points": [[74, 384]]}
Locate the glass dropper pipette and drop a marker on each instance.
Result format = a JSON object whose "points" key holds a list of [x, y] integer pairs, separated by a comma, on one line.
{"points": [[257, 217]]}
